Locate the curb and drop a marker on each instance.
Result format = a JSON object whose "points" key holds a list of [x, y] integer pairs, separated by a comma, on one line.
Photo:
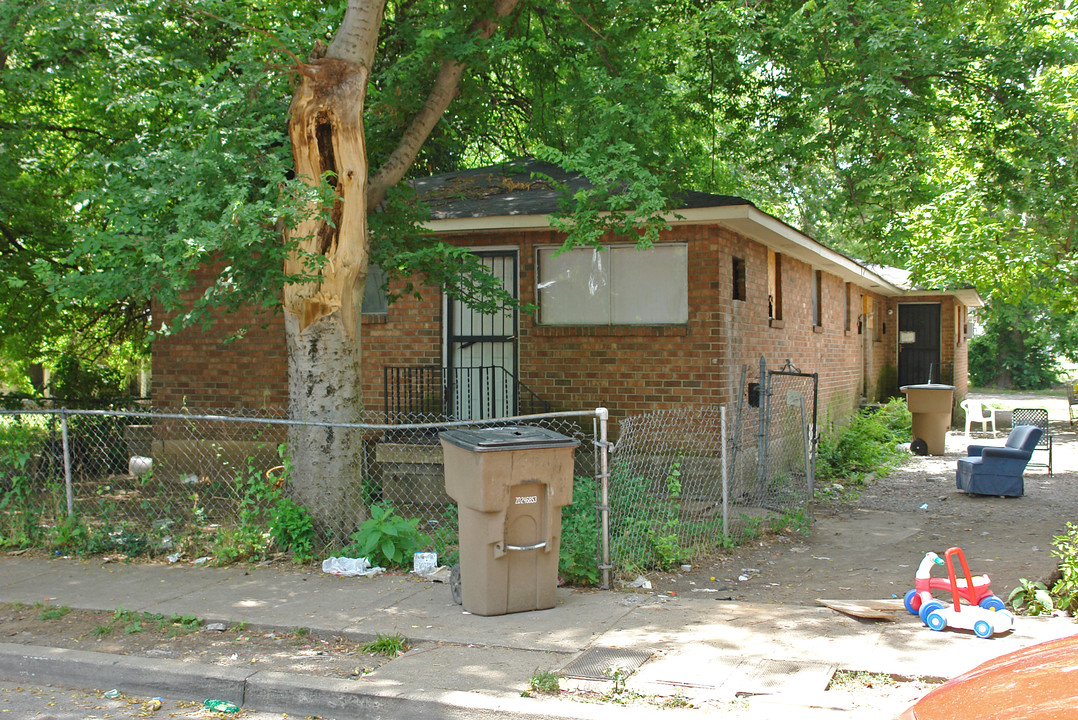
{"points": [[274, 691]]}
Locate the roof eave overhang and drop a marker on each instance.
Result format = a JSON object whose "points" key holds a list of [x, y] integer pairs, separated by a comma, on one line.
{"points": [[744, 219], [966, 296]]}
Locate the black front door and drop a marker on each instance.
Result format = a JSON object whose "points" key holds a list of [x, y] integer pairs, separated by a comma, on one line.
{"points": [[918, 344], [481, 350]]}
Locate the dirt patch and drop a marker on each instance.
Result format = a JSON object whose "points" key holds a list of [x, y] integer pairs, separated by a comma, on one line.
{"points": [[186, 639], [867, 544]]}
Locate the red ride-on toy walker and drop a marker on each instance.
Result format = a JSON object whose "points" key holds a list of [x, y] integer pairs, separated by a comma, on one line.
{"points": [[986, 614]]}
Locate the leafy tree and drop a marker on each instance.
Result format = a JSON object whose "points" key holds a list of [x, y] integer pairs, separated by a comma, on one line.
{"points": [[269, 140], [167, 151]]}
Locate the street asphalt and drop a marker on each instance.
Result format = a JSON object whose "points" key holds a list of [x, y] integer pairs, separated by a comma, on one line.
{"points": [[744, 659]]}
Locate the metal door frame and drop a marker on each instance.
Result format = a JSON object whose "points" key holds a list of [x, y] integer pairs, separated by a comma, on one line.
{"points": [[512, 254], [939, 340]]}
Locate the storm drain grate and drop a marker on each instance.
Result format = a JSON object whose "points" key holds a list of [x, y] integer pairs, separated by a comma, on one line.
{"points": [[601, 663], [785, 676]]}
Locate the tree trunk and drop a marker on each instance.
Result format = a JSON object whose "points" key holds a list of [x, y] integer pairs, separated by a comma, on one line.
{"points": [[323, 318]]}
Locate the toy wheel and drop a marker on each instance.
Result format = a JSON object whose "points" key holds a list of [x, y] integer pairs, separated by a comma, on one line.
{"points": [[982, 629], [936, 621], [929, 607], [991, 602], [912, 601]]}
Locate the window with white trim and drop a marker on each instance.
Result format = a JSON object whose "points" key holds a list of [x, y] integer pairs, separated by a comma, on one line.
{"points": [[375, 301], [619, 285]]}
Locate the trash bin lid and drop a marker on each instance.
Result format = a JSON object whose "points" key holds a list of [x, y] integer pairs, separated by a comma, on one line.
{"points": [[516, 437], [926, 386]]}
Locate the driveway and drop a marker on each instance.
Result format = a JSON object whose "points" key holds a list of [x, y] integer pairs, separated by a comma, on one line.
{"points": [[868, 546]]}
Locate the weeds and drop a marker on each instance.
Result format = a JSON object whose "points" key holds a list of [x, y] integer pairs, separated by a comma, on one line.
{"points": [[644, 521], [389, 646], [869, 443], [1065, 590], [577, 562], [135, 622], [545, 682], [54, 612], [1031, 598], [386, 538], [266, 519], [1036, 598]]}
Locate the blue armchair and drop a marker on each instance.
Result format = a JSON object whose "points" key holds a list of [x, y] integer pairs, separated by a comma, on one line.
{"points": [[994, 470]]}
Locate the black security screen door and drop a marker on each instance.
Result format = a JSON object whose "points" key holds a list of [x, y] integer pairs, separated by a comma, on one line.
{"points": [[918, 344], [481, 350]]}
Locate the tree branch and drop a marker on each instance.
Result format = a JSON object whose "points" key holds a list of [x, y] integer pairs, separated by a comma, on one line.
{"points": [[445, 88], [356, 40], [228, 21]]}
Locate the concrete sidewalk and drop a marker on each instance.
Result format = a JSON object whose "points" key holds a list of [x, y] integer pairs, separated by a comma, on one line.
{"points": [[712, 651]]}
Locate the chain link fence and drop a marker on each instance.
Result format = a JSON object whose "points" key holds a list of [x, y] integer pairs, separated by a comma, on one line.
{"points": [[208, 484], [687, 482], [679, 484]]}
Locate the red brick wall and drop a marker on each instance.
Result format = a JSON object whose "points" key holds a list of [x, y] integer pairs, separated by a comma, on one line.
{"points": [[632, 369], [624, 368], [198, 368]]}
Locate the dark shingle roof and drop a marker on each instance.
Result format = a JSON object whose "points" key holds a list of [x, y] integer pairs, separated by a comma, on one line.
{"points": [[521, 187]]}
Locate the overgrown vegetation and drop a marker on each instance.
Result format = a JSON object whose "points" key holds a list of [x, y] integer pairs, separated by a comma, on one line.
{"points": [[389, 646], [116, 516], [1040, 598], [868, 444], [645, 527], [267, 519], [578, 561], [388, 539]]}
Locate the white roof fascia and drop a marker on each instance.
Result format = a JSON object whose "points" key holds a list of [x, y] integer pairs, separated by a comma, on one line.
{"points": [[967, 296], [488, 224], [777, 235], [745, 219]]}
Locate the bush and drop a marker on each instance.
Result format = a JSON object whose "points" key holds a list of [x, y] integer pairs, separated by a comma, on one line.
{"points": [[577, 563], [1065, 590], [387, 539], [869, 443]]}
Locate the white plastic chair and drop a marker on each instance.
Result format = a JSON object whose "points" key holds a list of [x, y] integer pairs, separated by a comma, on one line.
{"points": [[976, 412]]}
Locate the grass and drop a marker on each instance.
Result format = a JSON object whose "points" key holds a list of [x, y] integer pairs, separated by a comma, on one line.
{"points": [[545, 682], [55, 612], [389, 646]]}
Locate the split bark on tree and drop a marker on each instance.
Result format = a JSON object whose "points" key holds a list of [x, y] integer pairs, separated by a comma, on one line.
{"points": [[323, 318]]}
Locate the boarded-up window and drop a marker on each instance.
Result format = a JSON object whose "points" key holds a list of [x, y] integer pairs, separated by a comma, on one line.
{"points": [[740, 292], [774, 285], [817, 298], [614, 286]]}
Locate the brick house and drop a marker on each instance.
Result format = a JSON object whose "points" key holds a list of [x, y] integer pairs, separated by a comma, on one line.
{"points": [[631, 330]]}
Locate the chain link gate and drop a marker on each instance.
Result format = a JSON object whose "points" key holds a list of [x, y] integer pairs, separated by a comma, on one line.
{"points": [[686, 482]]}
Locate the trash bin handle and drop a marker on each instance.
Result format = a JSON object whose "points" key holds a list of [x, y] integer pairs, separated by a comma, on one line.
{"points": [[526, 547]]}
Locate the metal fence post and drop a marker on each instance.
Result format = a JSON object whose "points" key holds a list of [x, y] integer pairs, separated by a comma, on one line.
{"points": [[763, 429], [603, 416], [725, 473], [67, 463]]}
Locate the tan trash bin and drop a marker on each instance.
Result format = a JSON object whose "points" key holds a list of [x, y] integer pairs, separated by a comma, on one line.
{"points": [[930, 404], [510, 484]]}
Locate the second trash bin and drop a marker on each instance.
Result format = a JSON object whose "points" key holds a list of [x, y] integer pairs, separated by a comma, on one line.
{"points": [[930, 406], [510, 484]]}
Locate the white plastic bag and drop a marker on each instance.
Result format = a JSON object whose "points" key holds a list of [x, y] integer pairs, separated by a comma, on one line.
{"points": [[350, 567]]}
